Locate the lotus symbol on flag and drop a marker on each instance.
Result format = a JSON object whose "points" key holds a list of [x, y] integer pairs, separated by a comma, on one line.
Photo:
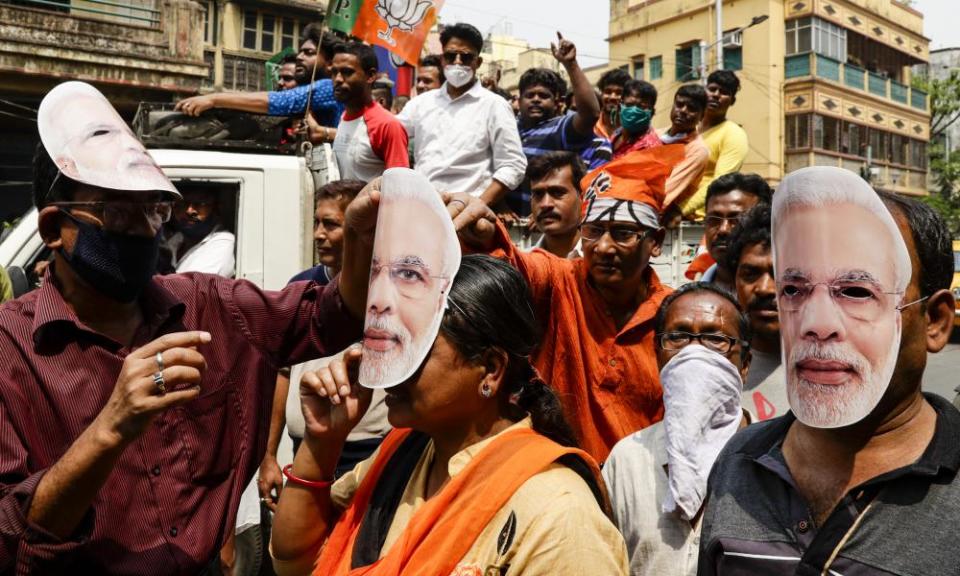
{"points": [[403, 15]]}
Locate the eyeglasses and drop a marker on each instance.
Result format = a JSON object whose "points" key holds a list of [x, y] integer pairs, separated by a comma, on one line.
{"points": [[719, 221], [411, 280], [121, 215], [720, 343], [287, 78], [865, 301], [624, 236], [466, 58]]}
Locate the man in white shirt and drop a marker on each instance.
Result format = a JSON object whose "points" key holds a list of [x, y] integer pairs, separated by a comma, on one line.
{"points": [[657, 477], [465, 137], [200, 243]]}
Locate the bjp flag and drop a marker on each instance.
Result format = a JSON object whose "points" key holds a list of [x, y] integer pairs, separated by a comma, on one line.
{"points": [[400, 26]]}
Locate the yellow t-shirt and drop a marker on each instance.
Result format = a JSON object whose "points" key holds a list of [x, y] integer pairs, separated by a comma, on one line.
{"points": [[560, 529], [727, 146]]}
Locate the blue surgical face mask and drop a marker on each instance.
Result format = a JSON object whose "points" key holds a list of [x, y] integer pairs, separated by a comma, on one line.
{"points": [[118, 266], [635, 119]]}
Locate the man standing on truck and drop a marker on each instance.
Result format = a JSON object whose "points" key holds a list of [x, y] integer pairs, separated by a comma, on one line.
{"points": [[313, 61], [369, 139], [465, 137], [133, 405]]}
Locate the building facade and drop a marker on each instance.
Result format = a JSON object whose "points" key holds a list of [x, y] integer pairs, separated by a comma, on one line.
{"points": [[133, 51], [823, 82]]}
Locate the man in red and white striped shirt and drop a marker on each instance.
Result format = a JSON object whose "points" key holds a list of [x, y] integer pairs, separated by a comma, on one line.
{"points": [[134, 408]]}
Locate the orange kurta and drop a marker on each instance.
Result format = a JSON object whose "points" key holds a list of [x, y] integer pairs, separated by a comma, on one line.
{"points": [[606, 378]]}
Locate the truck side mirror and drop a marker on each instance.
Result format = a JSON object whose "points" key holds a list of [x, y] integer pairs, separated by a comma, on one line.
{"points": [[19, 281]]}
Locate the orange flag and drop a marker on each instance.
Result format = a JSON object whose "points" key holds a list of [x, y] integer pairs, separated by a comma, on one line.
{"points": [[400, 26]]}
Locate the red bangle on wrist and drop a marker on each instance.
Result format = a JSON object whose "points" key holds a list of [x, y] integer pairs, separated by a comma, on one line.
{"points": [[315, 484]]}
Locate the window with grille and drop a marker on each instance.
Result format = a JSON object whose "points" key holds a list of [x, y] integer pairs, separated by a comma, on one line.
{"points": [[268, 29], [688, 62], [250, 29], [656, 68], [288, 34], [798, 131], [816, 35]]}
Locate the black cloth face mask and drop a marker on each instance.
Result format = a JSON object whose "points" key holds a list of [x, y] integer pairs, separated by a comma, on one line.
{"points": [[118, 266]]}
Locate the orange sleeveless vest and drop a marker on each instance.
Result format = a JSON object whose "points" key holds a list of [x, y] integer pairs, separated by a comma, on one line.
{"points": [[445, 527]]}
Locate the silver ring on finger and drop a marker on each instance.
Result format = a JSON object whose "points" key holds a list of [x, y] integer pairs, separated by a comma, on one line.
{"points": [[160, 383], [159, 358]]}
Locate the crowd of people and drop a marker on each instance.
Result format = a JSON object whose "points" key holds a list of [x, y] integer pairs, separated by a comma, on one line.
{"points": [[570, 413]]}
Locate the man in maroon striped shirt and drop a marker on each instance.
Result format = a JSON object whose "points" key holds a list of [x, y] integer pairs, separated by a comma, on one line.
{"points": [[135, 408]]}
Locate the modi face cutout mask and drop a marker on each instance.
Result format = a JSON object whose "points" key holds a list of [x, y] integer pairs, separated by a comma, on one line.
{"points": [[91, 144], [416, 255], [842, 269]]}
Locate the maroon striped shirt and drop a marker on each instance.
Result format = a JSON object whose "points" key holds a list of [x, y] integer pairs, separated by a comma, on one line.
{"points": [[174, 494]]}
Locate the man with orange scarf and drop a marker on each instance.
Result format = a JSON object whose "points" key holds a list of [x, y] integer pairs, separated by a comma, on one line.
{"points": [[598, 311]]}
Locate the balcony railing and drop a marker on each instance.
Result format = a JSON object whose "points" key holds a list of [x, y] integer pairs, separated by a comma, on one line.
{"points": [[811, 64], [142, 12]]}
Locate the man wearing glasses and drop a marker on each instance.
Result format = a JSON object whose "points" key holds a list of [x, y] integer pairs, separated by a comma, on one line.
{"points": [[465, 137], [134, 405], [598, 311], [657, 477], [860, 477], [729, 197]]}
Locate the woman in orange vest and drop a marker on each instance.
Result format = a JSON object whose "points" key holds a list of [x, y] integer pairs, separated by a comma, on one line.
{"points": [[480, 475]]}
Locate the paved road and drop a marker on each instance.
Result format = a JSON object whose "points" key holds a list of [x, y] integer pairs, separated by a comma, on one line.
{"points": [[943, 370]]}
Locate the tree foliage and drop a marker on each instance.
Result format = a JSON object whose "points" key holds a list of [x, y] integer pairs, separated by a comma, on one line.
{"points": [[944, 97]]}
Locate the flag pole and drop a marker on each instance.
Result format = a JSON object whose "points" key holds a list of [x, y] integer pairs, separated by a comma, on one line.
{"points": [[313, 73]]}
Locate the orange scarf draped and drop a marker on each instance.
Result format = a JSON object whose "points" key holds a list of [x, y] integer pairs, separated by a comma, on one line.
{"points": [[445, 527]]}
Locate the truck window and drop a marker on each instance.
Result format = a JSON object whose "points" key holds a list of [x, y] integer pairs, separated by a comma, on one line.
{"points": [[201, 234]]}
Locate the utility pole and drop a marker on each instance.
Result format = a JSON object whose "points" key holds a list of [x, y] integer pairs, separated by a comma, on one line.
{"points": [[702, 67], [718, 11]]}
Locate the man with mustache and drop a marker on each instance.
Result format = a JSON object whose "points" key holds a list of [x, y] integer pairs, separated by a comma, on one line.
{"points": [[556, 200], [861, 476], [287, 73], [598, 311], [728, 198], [751, 261]]}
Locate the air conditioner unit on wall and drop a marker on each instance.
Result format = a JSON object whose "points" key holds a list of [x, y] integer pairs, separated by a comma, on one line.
{"points": [[733, 39]]}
